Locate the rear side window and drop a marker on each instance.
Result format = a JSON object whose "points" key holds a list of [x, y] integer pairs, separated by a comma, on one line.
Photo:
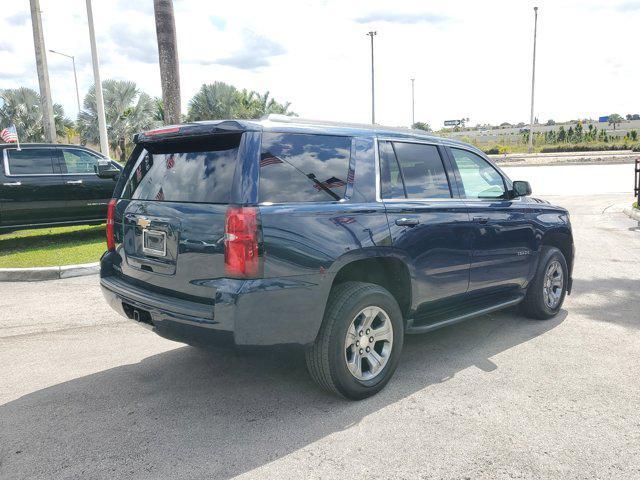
{"points": [[303, 168], [412, 170], [30, 161], [195, 171]]}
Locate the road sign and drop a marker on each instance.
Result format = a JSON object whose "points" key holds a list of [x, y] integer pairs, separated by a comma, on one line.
{"points": [[452, 123]]}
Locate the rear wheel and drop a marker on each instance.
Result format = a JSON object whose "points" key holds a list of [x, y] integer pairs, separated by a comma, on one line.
{"points": [[548, 288], [359, 344]]}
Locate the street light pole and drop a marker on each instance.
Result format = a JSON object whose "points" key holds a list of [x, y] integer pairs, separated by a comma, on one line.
{"points": [[413, 102], [75, 75], [102, 123], [48, 121], [533, 76], [373, 89]]}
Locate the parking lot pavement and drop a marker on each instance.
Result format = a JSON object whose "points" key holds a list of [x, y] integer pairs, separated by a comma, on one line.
{"points": [[84, 394]]}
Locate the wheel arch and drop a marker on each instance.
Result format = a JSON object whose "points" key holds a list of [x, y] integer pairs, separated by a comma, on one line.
{"points": [[386, 268]]}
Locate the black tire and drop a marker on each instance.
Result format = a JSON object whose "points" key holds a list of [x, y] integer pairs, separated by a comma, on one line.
{"points": [[326, 356], [534, 304]]}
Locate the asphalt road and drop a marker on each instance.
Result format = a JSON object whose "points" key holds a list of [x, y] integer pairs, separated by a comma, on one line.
{"points": [[84, 394]]}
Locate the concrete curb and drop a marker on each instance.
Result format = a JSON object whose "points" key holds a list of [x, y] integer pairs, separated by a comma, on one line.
{"points": [[633, 213], [47, 273]]}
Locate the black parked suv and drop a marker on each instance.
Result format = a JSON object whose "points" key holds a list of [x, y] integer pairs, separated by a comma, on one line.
{"points": [[336, 238], [49, 184]]}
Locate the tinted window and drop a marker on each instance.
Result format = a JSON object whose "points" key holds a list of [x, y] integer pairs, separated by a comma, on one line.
{"points": [[392, 184], [30, 161], [303, 168], [79, 161], [421, 172], [479, 178], [188, 171]]}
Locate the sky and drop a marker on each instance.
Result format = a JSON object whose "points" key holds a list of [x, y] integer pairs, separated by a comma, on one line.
{"points": [[469, 58]]}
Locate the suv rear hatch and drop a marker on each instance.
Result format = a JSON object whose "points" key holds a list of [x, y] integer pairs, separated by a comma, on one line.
{"points": [[170, 220]]}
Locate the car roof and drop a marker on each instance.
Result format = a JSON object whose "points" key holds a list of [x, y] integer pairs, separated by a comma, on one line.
{"points": [[285, 124]]}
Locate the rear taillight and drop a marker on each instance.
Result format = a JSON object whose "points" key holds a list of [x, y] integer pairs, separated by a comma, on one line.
{"points": [[241, 242], [111, 211]]}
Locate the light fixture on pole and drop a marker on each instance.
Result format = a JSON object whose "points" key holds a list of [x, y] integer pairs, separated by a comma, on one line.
{"points": [[533, 76], [75, 75], [373, 89]]}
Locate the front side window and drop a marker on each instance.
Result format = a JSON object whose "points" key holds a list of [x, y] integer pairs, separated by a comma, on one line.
{"points": [[191, 170], [79, 161], [479, 178], [303, 168], [412, 170], [30, 161]]}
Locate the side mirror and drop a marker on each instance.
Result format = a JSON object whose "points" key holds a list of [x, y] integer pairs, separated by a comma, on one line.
{"points": [[521, 188], [105, 169]]}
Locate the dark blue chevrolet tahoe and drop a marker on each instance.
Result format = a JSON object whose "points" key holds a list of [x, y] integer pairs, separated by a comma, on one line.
{"points": [[336, 238]]}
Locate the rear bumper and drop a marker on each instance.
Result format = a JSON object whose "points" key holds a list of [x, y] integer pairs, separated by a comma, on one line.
{"points": [[262, 312]]}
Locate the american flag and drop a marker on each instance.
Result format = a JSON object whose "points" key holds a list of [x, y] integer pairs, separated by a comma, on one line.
{"points": [[333, 182], [160, 195], [350, 175], [270, 160], [139, 173], [9, 134], [170, 162]]}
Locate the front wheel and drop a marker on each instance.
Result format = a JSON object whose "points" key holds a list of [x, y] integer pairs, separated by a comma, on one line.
{"points": [[359, 344], [548, 288]]}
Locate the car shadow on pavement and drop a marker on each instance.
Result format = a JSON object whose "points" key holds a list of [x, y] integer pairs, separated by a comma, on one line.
{"points": [[611, 300], [196, 414]]}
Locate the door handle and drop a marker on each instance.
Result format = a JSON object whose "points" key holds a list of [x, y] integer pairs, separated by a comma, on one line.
{"points": [[481, 219], [74, 182], [407, 222], [12, 184]]}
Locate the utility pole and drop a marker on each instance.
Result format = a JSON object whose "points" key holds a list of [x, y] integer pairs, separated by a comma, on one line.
{"points": [[75, 75], [102, 123], [48, 121], [168, 59], [373, 89], [413, 102], [533, 76]]}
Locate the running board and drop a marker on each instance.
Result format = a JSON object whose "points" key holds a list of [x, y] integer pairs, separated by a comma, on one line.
{"points": [[411, 329]]}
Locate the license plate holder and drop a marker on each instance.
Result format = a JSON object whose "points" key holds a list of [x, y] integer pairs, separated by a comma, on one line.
{"points": [[154, 242]]}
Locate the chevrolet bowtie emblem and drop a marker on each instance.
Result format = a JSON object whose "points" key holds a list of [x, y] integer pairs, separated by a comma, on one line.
{"points": [[144, 222]]}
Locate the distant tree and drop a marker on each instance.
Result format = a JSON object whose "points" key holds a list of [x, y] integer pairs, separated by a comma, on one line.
{"points": [[505, 124], [578, 133], [635, 116], [562, 134], [551, 122], [633, 134], [615, 119], [570, 135], [422, 126]]}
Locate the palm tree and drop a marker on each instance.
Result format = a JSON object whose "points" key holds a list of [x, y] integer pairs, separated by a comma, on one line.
{"points": [[213, 101], [127, 111], [168, 59], [219, 100], [21, 106]]}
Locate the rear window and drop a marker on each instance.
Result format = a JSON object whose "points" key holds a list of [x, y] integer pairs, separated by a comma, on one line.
{"points": [[195, 171], [30, 161], [303, 168]]}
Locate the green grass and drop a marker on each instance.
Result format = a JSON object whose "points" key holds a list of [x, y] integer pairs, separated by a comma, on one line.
{"points": [[46, 247]]}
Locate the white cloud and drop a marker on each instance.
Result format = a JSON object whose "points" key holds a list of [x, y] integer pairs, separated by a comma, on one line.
{"points": [[469, 58]]}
